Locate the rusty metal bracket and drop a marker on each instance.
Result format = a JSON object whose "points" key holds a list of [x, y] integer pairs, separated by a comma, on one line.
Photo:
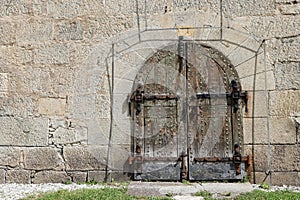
{"points": [[232, 97], [138, 98], [183, 167]]}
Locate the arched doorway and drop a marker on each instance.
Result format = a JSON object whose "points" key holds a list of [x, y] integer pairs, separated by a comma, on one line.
{"points": [[187, 116]]}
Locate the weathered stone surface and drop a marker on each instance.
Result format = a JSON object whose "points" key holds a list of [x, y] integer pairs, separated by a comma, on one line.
{"points": [[271, 26], [257, 136], [248, 82], [10, 8], [42, 158], [52, 106], [120, 176], [287, 75], [69, 30], [51, 177], [34, 30], [258, 109], [3, 84], [85, 158], [18, 176], [249, 7], [18, 106], [106, 26], [80, 53], [40, 81], [98, 133], [17, 55], [9, 156], [286, 158], [285, 49], [24, 132], [290, 9], [78, 177], [119, 156], [260, 153], [284, 103], [278, 178], [7, 33], [283, 157], [282, 131], [52, 54], [176, 6], [2, 176], [66, 9], [65, 136], [98, 176], [82, 106]]}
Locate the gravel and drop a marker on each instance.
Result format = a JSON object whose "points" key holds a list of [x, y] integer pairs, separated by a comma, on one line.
{"points": [[17, 191]]}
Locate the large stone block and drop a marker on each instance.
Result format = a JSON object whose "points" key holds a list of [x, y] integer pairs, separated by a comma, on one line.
{"points": [[78, 177], [24, 132], [18, 176], [98, 131], [66, 9], [42, 158], [52, 106], [119, 156], [42, 81], [7, 33], [52, 54], [51, 177], [286, 158], [237, 8], [290, 9], [3, 84], [282, 131], [9, 156], [17, 106], [63, 136], [69, 30], [278, 178], [255, 131], [34, 30], [17, 7], [260, 80], [85, 158], [287, 75], [270, 26], [2, 176], [284, 103], [256, 104], [17, 55], [260, 159], [98, 176], [105, 26], [80, 54], [285, 49], [82, 106]]}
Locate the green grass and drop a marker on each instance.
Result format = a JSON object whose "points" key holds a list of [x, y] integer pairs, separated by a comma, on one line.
{"points": [[92, 194], [120, 194], [261, 195], [207, 195]]}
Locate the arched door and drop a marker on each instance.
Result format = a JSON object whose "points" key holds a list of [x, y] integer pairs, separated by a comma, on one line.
{"points": [[187, 121]]}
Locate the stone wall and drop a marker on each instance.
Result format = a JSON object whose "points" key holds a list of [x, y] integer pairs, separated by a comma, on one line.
{"points": [[55, 80]]}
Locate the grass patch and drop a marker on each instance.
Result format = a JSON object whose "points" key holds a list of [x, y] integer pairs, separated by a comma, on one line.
{"points": [[261, 195], [91, 194], [205, 194]]}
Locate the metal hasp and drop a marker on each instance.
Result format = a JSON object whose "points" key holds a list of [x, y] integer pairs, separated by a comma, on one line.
{"points": [[232, 97], [183, 167], [138, 98]]}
